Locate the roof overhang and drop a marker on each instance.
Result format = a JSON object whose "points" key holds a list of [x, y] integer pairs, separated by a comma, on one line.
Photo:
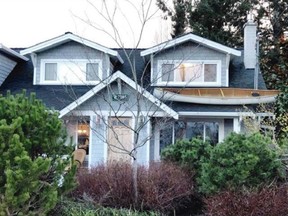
{"points": [[128, 81], [70, 37], [12, 53], [194, 38]]}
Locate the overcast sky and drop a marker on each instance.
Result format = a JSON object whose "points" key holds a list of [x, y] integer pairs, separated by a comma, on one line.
{"points": [[24, 23]]}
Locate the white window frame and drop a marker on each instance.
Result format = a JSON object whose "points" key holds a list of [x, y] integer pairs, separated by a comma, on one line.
{"points": [[81, 81], [177, 63]]}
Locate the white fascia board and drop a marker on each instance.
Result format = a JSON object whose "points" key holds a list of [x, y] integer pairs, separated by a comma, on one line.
{"points": [[12, 52], [66, 37], [191, 37], [128, 81], [216, 114]]}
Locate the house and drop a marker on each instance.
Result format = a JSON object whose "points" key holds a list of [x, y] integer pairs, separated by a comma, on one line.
{"points": [[111, 98]]}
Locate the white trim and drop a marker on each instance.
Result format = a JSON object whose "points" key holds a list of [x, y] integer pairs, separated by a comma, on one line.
{"points": [[128, 81], [152, 81], [227, 69], [68, 37], [12, 52], [148, 143], [191, 37], [105, 131], [119, 113], [81, 78], [156, 143], [215, 114], [90, 140], [177, 63], [34, 62], [236, 125]]}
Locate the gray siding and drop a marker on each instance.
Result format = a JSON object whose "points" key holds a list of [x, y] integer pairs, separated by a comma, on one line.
{"points": [[97, 144], [228, 126], [6, 66], [70, 51], [103, 101], [191, 51]]}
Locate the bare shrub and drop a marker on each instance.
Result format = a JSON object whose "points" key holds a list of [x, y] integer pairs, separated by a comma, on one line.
{"points": [[270, 201], [163, 187]]}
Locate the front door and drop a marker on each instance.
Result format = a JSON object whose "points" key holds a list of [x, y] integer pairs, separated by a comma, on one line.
{"points": [[119, 139]]}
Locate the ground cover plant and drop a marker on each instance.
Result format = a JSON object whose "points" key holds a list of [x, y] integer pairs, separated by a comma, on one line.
{"points": [[77, 208]]}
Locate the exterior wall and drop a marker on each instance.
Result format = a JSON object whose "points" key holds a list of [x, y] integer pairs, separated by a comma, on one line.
{"points": [[191, 51], [70, 51], [100, 107], [103, 101], [6, 66]]}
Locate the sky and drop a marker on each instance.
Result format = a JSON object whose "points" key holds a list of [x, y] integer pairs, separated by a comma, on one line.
{"points": [[24, 23]]}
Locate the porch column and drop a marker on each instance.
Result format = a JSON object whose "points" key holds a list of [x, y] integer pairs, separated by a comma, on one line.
{"points": [[157, 142], [236, 125]]}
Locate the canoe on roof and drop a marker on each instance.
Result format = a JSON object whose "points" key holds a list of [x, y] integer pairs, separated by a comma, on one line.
{"points": [[218, 96]]}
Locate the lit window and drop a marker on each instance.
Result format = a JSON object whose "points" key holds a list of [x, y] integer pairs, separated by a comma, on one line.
{"points": [[50, 71], [83, 135], [92, 72], [189, 72]]}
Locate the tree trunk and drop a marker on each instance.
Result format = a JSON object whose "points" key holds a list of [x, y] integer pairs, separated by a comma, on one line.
{"points": [[134, 178]]}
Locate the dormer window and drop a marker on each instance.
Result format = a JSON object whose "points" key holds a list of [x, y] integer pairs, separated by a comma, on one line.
{"points": [[50, 71], [72, 72], [189, 73], [92, 72]]}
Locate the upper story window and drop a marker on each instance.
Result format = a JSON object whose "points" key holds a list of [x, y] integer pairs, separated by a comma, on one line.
{"points": [[92, 72], [189, 73], [77, 72]]}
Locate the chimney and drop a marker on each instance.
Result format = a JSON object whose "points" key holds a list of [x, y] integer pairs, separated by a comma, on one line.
{"points": [[250, 29]]}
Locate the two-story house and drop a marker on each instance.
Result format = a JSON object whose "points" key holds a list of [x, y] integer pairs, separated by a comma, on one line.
{"points": [[113, 100]]}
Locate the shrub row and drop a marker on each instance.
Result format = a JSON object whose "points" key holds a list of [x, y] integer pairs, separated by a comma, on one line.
{"points": [[162, 187], [238, 161], [267, 201]]}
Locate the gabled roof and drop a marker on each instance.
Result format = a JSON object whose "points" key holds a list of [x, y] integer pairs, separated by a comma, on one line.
{"points": [[194, 38], [129, 82], [12, 53], [70, 37]]}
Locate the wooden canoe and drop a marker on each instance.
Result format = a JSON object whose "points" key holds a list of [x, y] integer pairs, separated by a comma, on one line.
{"points": [[219, 96]]}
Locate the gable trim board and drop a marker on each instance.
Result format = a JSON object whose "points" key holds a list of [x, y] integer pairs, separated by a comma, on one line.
{"points": [[12, 52], [128, 81], [191, 37], [70, 37]]}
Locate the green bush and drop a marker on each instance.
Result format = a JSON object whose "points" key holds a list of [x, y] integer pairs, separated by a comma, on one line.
{"points": [[191, 153], [239, 161], [32, 163]]}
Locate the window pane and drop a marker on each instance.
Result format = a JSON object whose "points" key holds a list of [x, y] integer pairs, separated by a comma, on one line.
{"points": [[210, 73], [193, 73], [166, 135], [51, 71], [167, 72], [92, 72], [194, 130], [212, 131]]}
